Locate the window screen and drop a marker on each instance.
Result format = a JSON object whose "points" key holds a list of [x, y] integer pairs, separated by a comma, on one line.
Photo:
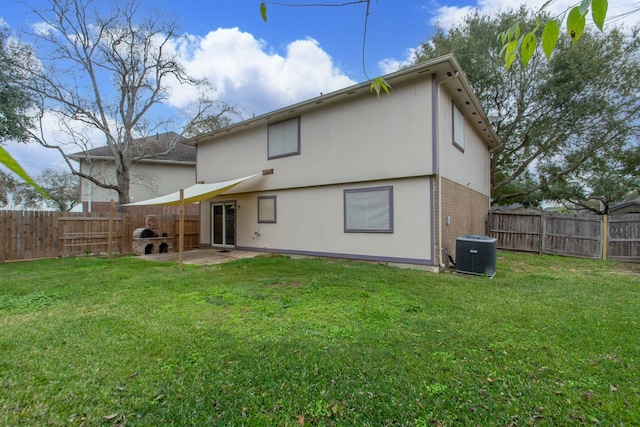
{"points": [[368, 210], [284, 138], [458, 127], [267, 209]]}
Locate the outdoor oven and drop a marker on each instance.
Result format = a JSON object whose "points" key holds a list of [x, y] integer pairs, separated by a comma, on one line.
{"points": [[145, 241]]}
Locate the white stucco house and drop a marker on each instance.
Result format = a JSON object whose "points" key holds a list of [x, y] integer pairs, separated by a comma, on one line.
{"points": [[351, 175], [153, 175]]}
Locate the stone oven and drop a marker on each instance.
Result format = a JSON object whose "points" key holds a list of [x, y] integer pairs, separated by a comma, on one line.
{"points": [[145, 241]]}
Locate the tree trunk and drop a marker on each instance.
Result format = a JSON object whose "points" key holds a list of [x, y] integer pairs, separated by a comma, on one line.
{"points": [[124, 183]]}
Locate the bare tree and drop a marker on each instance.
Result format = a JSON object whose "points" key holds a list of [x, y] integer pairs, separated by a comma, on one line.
{"points": [[108, 74]]}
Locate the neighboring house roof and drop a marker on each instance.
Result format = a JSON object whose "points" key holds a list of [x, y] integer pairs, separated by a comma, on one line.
{"points": [[632, 206], [518, 208], [147, 146], [446, 68]]}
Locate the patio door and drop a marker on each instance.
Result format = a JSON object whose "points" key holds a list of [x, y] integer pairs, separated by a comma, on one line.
{"points": [[223, 224]]}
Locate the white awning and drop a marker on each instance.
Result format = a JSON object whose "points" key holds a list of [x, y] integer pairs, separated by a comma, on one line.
{"points": [[195, 193]]}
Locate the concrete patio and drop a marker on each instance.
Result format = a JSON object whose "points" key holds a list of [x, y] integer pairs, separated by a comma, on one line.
{"points": [[202, 256]]}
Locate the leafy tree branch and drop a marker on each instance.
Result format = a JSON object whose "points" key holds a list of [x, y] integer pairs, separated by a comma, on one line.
{"points": [[517, 42], [553, 116]]}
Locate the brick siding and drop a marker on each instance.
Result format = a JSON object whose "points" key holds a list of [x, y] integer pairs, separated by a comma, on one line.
{"points": [[468, 211]]}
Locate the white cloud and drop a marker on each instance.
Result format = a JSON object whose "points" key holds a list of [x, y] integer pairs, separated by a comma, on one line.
{"points": [[448, 16], [34, 158], [246, 72], [389, 65], [43, 29]]}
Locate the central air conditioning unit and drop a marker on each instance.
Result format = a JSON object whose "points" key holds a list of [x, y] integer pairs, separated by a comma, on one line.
{"points": [[476, 255]]}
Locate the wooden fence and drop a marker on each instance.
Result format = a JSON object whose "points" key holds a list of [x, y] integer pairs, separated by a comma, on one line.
{"points": [[38, 234], [623, 238], [600, 237]]}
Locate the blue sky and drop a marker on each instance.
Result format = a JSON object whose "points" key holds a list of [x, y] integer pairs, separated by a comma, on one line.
{"points": [[299, 53]]}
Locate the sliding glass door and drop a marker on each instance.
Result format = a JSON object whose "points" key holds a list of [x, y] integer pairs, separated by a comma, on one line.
{"points": [[223, 224]]}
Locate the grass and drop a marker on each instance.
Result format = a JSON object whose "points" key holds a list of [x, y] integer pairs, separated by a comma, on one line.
{"points": [[274, 341]]}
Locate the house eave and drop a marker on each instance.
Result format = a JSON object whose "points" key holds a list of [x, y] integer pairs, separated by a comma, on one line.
{"points": [[446, 68], [153, 161]]}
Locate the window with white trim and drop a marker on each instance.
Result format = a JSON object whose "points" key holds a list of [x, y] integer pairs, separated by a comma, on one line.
{"points": [[368, 210], [284, 138], [458, 127], [267, 209]]}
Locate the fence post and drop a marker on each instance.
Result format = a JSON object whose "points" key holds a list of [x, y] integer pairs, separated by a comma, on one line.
{"points": [[112, 209], [605, 235], [181, 237], [541, 228], [543, 233]]}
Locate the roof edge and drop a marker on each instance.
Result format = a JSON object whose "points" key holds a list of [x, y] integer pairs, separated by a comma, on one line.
{"points": [[489, 135], [80, 158]]}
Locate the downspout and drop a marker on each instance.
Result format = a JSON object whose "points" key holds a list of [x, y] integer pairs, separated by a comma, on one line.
{"points": [[437, 142]]}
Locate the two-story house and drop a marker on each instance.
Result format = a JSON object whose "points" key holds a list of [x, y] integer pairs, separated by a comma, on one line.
{"points": [[155, 174], [350, 175]]}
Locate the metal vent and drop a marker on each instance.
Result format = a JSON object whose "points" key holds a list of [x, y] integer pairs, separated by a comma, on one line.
{"points": [[476, 255]]}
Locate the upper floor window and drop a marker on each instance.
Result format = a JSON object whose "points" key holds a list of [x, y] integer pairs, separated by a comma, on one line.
{"points": [[458, 127], [284, 138]]}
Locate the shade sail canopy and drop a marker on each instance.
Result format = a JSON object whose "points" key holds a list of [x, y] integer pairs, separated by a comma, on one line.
{"points": [[195, 193]]}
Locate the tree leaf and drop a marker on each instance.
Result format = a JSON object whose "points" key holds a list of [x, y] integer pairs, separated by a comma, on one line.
{"points": [[515, 31], [584, 6], [599, 12], [575, 23], [547, 3], [504, 48], [510, 53], [550, 35], [378, 84], [528, 47], [375, 86], [8, 161], [263, 11], [502, 37], [386, 86]]}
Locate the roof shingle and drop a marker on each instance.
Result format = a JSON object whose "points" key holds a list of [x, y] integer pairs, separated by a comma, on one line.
{"points": [[147, 147]]}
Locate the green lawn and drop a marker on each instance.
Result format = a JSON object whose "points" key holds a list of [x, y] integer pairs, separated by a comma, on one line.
{"points": [[274, 341]]}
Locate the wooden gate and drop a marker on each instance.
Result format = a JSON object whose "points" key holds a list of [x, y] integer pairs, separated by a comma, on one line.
{"points": [[516, 231], [623, 240], [573, 236]]}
